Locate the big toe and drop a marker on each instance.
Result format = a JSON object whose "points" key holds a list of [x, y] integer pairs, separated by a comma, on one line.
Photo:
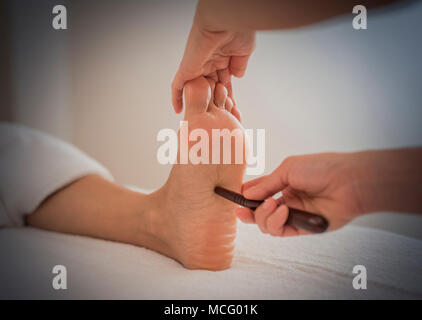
{"points": [[197, 96]]}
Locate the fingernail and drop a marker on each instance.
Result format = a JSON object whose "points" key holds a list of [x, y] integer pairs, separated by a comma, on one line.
{"points": [[267, 205], [249, 192]]}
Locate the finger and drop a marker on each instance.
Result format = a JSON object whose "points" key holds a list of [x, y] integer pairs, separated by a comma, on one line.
{"points": [[213, 76], [177, 94], [268, 186], [293, 198], [251, 183], [238, 65], [220, 95], [237, 114], [289, 231], [276, 221], [245, 215], [263, 212]]}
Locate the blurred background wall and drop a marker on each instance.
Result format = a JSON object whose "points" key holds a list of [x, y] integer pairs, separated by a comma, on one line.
{"points": [[39, 74], [104, 84]]}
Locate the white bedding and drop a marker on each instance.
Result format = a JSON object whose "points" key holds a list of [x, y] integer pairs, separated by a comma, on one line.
{"points": [[264, 267]]}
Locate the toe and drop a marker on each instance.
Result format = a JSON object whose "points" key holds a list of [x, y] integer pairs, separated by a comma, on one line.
{"points": [[220, 95], [229, 104], [212, 83], [236, 112], [197, 96]]}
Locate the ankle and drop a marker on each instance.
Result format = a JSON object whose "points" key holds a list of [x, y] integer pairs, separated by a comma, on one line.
{"points": [[150, 225]]}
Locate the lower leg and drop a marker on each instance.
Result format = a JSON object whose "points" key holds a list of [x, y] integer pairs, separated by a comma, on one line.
{"points": [[93, 206]]}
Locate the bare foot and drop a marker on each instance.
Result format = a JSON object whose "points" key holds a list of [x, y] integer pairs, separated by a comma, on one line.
{"points": [[184, 219], [200, 226]]}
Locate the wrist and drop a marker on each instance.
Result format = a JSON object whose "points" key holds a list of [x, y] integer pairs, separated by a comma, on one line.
{"points": [[204, 20], [362, 177], [387, 180]]}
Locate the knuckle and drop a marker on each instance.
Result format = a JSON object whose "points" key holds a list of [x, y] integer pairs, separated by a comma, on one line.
{"points": [[274, 232], [288, 161], [271, 229]]}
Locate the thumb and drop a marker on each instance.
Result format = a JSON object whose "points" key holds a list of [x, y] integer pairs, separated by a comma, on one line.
{"points": [[238, 65], [177, 93]]}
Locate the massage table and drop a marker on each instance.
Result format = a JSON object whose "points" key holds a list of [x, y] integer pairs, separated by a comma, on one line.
{"points": [[264, 267]]}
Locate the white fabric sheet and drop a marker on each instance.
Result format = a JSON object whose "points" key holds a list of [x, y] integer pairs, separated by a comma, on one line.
{"points": [[315, 267]]}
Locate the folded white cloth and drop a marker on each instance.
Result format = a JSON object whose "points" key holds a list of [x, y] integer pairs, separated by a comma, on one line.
{"points": [[310, 267], [33, 165]]}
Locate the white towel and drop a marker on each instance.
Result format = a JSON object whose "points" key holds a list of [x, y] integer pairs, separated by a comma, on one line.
{"points": [[309, 267]]}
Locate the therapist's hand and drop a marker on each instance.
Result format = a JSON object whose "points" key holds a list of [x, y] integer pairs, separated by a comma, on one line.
{"points": [[222, 37], [215, 53], [338, 186], [319, 183]]}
